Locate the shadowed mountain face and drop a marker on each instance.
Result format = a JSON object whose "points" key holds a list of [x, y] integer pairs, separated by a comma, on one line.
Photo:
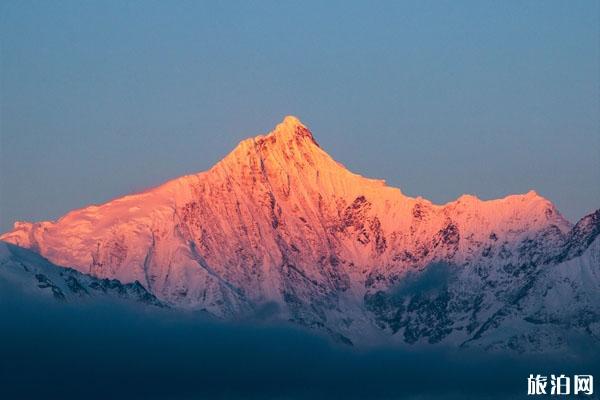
{"points": [[280, 227], [33, 276]]}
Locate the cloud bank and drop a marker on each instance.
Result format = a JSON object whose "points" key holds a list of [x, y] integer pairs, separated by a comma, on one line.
{"points": [[108, 351]]}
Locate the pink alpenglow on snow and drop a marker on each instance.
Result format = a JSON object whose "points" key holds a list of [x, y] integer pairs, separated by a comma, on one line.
{"points": [[278, 220]]}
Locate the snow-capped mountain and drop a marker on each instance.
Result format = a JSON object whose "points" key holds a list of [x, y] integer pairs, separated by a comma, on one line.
{"points": [[279, 221]]}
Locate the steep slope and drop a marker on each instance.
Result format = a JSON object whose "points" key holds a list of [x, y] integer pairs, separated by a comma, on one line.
{"points": [[33, 275], [279, 221], [546, 303], [559, 306]]}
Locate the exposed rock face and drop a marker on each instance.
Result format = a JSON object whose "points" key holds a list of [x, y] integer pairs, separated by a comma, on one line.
{"points": [[278, 220]]}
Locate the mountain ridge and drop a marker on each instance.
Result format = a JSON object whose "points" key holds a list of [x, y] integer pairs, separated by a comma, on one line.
{"points": [[283, 130], [278, 220], [34, 275]]}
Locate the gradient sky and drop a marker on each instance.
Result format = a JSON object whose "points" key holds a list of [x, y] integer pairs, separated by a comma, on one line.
{"points": [[99, 99]]}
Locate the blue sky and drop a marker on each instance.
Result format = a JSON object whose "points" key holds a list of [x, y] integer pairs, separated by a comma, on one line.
{"points": [[99, 99]]}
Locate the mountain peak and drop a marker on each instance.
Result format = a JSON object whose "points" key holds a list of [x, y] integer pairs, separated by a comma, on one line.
{"points": [[290, 142], [280, 221], [290, 121], [291, 128]]}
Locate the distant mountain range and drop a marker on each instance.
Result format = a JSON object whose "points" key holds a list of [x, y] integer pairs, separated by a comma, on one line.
{"points": [[279, 225]]}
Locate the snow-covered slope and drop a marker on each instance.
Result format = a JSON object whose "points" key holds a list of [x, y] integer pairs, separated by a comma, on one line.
{"points": [[279, 221], [561, 308], [546, 303], [30, 274]]}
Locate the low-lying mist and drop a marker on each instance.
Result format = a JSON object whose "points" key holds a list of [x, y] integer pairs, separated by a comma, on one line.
{"points": [[52, 350]]}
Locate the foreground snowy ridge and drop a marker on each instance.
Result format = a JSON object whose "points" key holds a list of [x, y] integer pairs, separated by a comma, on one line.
{"points": [[34, 276], [278, 221]]}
